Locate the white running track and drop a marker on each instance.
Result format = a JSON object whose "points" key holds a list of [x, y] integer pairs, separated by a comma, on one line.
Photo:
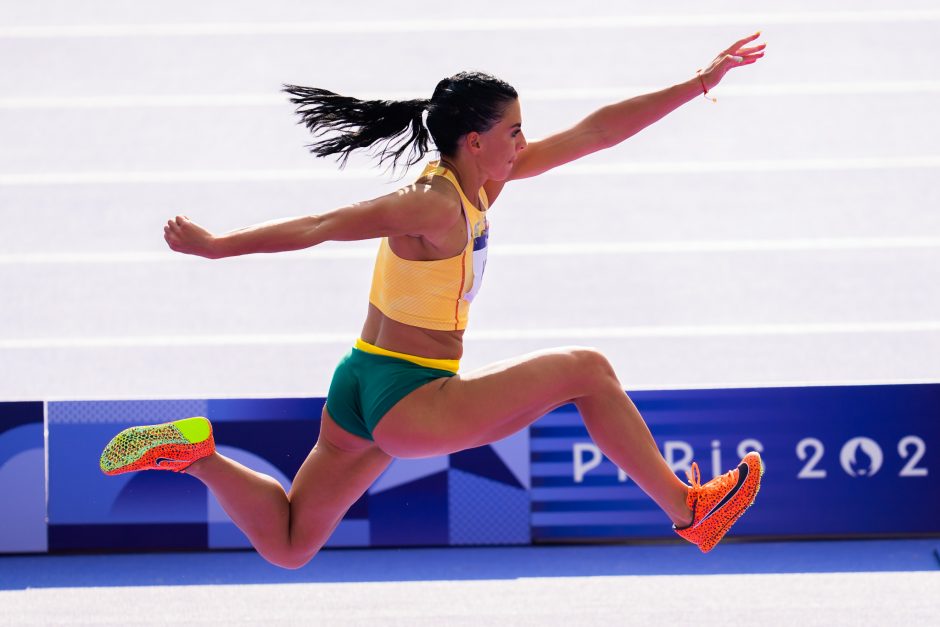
{"points": [[789, 234], [810, 600]]}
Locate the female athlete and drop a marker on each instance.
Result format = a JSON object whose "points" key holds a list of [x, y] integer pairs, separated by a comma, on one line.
{"points": [[397, 392]]}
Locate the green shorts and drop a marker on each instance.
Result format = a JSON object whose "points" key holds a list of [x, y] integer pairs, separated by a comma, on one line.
{"points": [[365, 386]]}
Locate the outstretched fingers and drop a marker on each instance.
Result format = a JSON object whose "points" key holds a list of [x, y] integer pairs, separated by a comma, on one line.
{"points": [[745, 56], [750, 59], [751, 50], [736, 46], [742, 60], [737, 55]]}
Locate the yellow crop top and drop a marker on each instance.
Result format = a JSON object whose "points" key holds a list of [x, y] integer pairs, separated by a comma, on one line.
{"points": [[434, 294]]}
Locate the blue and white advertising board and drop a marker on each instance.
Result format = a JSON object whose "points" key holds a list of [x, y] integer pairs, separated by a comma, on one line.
{"points": [[851, 461], [22, 478], [473, 497], [840, 461]]}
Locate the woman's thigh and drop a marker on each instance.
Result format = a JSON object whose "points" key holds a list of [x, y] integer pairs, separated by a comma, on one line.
{"points": [[469, 410]]}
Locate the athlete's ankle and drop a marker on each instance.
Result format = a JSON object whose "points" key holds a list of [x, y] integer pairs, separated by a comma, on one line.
{"points": [[200, 464], [682, 519], [677, 507]]}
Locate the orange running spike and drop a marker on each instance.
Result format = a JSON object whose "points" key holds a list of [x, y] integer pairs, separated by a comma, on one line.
{"points": [[168, 446], [720, 502]]}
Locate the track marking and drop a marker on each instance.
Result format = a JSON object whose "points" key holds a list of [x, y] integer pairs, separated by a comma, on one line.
{"points": [[633, 387], [556, 94], [571, 333], [466, 24], [593, 169], [511, 250]]}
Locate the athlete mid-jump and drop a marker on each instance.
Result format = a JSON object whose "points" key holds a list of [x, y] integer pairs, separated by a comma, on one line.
{"points": [[397, 393]]}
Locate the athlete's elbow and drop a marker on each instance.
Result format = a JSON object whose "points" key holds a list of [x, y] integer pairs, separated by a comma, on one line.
{"points": [[313, 230], [610, 137]]}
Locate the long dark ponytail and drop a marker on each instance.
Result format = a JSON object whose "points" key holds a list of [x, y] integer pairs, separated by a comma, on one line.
{"points": [[362, 124], [469, 101]]}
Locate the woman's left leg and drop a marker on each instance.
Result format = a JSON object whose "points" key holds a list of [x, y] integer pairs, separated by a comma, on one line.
{"points": [[288, 529]]}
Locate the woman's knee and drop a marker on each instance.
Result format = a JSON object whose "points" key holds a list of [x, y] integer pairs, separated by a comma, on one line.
{"points": [[592, 366], [290, 559]]}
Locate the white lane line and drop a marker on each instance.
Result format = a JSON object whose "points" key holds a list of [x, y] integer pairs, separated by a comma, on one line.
{"points": [[639, 332], [717, 246], [556, 94], [552, 249], [725, 385], [188, 176], [777, 89], [465, 24], [753, 165], [572, 333], [153, 101], [308, 392], [577, 169]]}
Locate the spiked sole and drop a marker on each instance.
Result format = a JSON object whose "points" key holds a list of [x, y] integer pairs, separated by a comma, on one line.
{"points": [[168, 446]]}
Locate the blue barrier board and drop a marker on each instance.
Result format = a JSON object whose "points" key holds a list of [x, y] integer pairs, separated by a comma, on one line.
{"points": [[852, 460], [474, 497], [841, 461], [22, 478]]}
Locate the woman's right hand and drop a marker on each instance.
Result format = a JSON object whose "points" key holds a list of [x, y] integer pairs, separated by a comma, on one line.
{"points": [[185, 236]]}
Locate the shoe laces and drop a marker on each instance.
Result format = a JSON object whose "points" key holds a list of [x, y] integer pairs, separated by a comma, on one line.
{"points": [[694, 476], [726, 480]]}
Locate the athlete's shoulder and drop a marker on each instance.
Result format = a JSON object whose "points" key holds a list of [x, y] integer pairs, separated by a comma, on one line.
{"points": [[430, 204], [436, 190]]}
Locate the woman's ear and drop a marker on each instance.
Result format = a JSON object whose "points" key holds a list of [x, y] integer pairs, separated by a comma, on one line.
{"points": [[472, 142]]}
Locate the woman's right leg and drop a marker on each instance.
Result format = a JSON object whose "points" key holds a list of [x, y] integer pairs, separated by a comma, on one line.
{"points": [[288, 529], [465, 411]]}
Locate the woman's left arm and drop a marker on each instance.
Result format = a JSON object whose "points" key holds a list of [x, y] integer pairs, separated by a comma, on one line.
{"points": [[614, 123]]}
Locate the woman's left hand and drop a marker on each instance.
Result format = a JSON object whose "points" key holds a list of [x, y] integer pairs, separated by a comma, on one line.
{"points": [[738, 54]]}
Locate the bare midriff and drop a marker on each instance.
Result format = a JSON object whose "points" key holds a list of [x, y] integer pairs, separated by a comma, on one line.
{"points": [[380, 330]]}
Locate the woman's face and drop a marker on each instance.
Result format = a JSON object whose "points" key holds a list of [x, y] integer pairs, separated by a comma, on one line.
{"points": [[499, 146]]}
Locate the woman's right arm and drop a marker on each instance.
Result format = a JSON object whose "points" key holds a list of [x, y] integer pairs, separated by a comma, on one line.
{"points": [[413, 210]]}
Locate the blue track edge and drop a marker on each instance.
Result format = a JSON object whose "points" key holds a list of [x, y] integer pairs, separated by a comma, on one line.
{"points": [[349, 565]]}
